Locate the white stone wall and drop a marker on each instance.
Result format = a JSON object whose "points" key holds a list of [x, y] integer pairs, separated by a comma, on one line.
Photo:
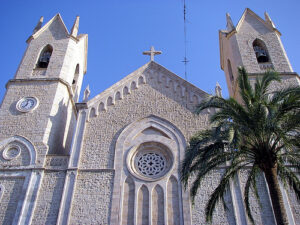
{"points": [[102, 130], [92, 198], [155, 97], [221, 216], [48, 201], [12, 190], [13, 122]]}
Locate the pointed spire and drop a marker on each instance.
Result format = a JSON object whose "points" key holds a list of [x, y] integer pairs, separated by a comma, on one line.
{"points": [[86, 94], [75, 27], [268, 20], [39, 25], [218, 90], [229, 24]]}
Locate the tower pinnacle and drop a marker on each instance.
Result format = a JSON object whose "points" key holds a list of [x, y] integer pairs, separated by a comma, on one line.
{"points": [[229, 24], [75, 27], [39, 24], [218, 90]]}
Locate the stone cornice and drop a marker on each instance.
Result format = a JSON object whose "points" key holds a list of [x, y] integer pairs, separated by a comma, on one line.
{"points": [[13, 169], [294, 74]]}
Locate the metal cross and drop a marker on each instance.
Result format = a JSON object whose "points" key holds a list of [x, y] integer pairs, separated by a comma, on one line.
{"points": [[152, 53]]}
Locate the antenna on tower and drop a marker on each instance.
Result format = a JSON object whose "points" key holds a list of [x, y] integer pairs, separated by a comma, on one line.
{"points": [[185, 60]]}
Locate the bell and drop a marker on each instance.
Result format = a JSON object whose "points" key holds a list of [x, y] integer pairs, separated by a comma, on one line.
{"points": [[261, 54], [44, 60]]}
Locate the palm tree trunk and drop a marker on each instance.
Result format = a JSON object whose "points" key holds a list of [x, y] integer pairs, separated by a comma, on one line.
{"points": [[276, 196]]}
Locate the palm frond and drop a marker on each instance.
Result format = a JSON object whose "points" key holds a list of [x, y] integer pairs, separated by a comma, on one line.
{"points": [[288, 177], [220, 191], [261, 131]]}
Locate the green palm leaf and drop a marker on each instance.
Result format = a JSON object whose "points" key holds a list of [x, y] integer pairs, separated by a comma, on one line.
{"points": [[261, 134]]}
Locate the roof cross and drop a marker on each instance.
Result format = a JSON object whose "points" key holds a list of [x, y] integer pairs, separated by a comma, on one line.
{"points": [[152, 53]]}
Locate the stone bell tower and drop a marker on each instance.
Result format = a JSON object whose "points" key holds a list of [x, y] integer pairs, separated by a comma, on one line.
{"points": [[255, 44], [37, 119], [39, 103]]}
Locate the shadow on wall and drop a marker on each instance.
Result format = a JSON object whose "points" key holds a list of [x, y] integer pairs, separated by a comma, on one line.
{"points": [[61, 132], [52, 202], [57, 30], [112, 147], [15, 192]]}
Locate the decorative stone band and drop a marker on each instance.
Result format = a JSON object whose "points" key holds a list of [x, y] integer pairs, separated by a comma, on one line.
{"points": [[125, 87], [111, 98], [266, 66]]}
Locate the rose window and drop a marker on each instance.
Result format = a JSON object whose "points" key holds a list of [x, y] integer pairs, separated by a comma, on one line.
{"points": [[150, 161], [151, 164]]}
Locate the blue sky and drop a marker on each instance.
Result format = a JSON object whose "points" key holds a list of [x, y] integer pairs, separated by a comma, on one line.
{"points": [[120, 30]]}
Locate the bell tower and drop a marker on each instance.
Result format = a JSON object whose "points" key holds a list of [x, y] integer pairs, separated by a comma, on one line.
{"points": [[39, 103], [256, 45]]}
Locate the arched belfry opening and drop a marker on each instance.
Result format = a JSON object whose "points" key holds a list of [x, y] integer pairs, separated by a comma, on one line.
{"points": [[44, 57], [261, 51]]}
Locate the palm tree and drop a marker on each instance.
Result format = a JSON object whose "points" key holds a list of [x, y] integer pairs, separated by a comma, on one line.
{"points": [[262, 134]]}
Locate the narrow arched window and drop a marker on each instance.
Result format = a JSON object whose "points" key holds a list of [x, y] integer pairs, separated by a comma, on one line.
{"points": [[230, 70], [76, 75], [45, 56], [261, 51], [1, 191]]}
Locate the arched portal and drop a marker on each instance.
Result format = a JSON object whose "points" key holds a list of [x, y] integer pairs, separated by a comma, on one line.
{"points": [[149, 152]]}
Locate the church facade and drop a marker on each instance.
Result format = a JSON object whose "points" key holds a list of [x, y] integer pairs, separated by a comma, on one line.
{"points": [[115, 158]]}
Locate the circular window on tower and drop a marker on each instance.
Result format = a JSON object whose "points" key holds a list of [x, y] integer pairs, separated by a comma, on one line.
{"points": [[150, 161]]}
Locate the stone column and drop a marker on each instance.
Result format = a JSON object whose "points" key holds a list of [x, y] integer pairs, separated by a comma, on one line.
{"points": [[70, 182]]}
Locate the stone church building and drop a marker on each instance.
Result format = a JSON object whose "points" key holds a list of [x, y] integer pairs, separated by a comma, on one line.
{"points": [[115, 158]]}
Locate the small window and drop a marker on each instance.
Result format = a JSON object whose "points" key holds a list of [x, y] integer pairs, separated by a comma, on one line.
{"points": [[45, 57], [261, 51], [76, 75], [230, 70]]}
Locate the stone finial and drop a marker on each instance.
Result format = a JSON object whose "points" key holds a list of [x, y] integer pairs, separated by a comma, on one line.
{"points": [[39, 25], [152, 53], [229, 24], [268, 20], [86, 93], [218, 90], [75, 27]]}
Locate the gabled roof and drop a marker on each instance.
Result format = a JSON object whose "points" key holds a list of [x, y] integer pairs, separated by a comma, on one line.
{"points": [[250, 12], [139, 77], [45, 27]]}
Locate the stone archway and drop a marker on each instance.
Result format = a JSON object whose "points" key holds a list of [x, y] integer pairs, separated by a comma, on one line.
{"points": [[148, 153]]}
